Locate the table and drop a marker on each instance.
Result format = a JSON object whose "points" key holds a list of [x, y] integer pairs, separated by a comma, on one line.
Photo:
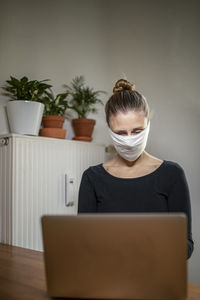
{"points": [[22, 275]]}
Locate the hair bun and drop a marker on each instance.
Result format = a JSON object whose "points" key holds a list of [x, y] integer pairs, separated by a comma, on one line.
{"points": [[123, 85]]}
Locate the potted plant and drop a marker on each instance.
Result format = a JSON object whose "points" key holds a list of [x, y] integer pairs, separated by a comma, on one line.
{"points": [[83, 99], [54, 114], [25, 109]]}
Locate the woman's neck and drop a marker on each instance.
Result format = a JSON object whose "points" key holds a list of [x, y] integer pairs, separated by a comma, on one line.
{"points": [[119, 161]]}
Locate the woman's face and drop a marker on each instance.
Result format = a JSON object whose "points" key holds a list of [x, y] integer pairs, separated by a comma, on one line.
{"points": [[129, 123]]}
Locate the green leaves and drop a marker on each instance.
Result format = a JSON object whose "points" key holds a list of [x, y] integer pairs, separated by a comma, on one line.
{"points": [[83, 98], [55, 105], [23, 89]]}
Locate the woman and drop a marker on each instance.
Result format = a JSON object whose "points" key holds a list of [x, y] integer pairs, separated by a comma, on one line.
{"points": [[134, 180]]}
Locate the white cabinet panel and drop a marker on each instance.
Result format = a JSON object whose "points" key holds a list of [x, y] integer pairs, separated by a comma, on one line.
{"points": [[39, 176]]}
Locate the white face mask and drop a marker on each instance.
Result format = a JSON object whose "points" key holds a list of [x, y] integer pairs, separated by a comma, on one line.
{"points": [[130, 147]]}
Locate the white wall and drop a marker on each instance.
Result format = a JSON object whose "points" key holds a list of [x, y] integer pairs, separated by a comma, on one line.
{"points": [[155, 43], [53, 39]]}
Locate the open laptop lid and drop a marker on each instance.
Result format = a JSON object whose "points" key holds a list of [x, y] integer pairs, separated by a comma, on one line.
{"points": [[116, 256]]}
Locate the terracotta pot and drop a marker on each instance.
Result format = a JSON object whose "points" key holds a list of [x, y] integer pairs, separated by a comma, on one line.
{"points": [[53, 121], [83, 128], [58, 133], [53, 127]]}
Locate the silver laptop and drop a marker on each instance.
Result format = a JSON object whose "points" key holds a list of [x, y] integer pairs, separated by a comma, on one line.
{"points": [[116, 256]]}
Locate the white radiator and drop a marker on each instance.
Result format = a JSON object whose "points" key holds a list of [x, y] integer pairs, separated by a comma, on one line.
{"points": [[39, 176]]}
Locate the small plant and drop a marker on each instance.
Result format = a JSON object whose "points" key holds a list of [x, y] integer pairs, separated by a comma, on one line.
{"points": [[25, 89], [55, 105], [83, 98]]}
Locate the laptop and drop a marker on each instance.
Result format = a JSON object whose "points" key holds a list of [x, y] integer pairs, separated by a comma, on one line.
{"points": [[116, 256]]}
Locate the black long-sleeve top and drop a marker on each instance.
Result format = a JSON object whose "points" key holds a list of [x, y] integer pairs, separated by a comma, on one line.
{"points": [[163, 190]]}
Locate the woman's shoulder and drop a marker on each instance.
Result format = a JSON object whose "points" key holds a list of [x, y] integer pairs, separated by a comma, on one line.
{"points": [[167, 165], [93, 170], [173, 166]]}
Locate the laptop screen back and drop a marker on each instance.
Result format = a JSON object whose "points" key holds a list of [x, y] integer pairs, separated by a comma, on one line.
{"points": [[116, 256]]}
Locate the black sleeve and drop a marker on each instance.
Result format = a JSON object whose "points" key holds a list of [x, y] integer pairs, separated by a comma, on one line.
{"points": [[179, 201], [87, 196]]}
